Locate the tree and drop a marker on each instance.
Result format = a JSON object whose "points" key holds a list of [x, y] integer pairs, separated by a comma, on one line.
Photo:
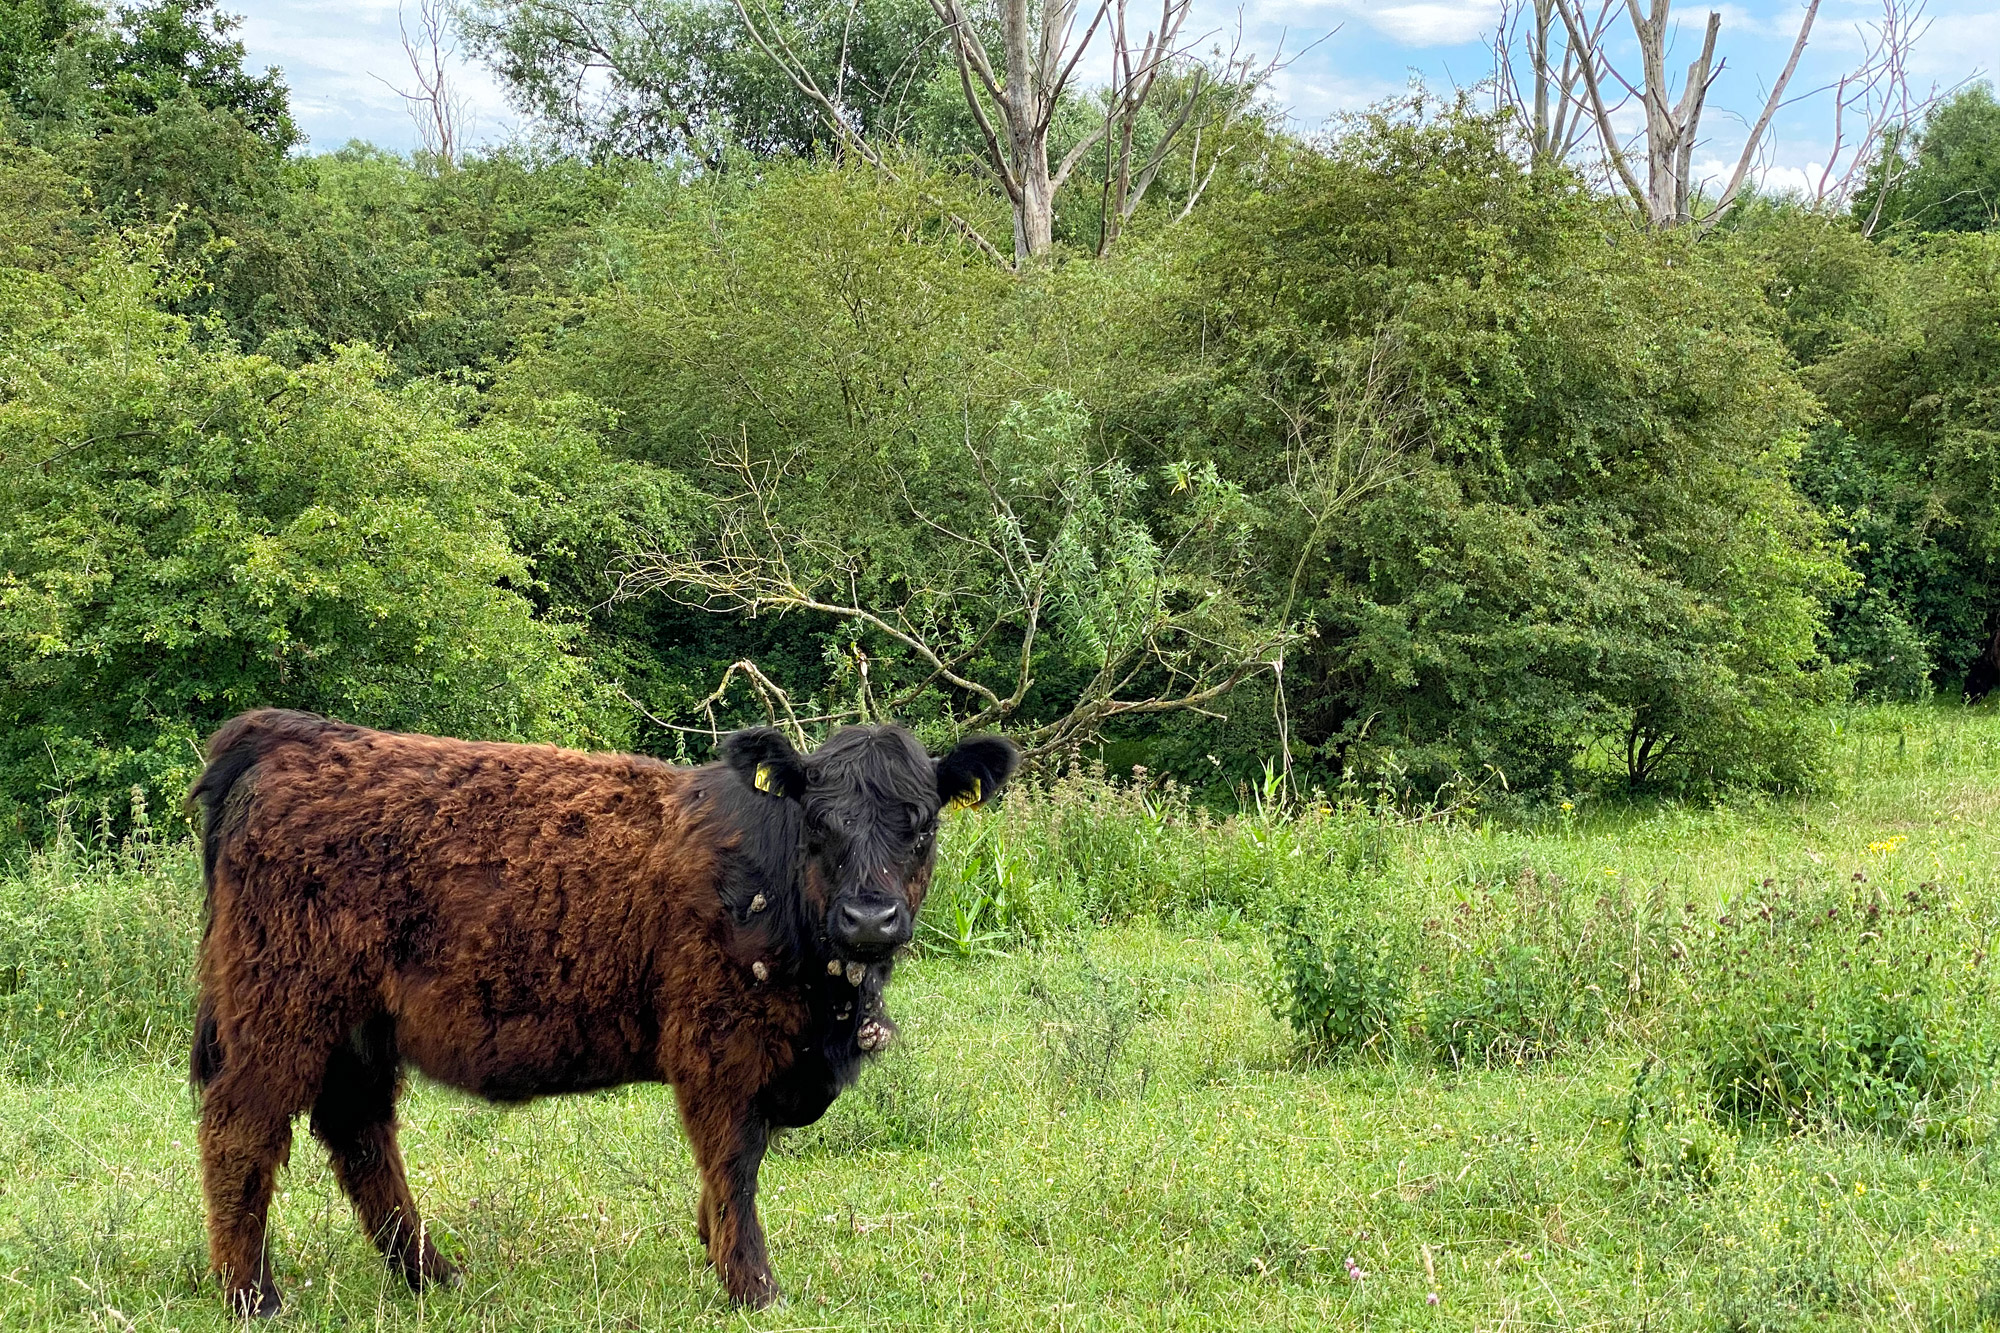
{"points": [[1593, 562], [32, 32], [1877, 93], [1672, 125], [189, 532], [1945, 177], [916, 509], [437, 110], [71, 67], [681, 78], [1908, 465], [1553, 114], [1026, 90]]}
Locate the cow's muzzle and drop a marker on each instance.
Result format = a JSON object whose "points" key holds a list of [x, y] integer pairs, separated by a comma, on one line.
{"points": [[870, 927]]}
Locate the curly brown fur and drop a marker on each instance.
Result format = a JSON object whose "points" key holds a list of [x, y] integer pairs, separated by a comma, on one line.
{"points": [[519, 921]]}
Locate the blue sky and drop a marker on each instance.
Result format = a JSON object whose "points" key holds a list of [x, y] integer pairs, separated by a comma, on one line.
{"points": [[336, 55]]}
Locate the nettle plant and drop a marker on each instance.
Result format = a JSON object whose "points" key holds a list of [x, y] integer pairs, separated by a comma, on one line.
{"points": [[1341, 987]]}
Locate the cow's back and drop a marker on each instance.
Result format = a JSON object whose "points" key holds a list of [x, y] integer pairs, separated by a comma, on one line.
{"points": [[506, 905]]}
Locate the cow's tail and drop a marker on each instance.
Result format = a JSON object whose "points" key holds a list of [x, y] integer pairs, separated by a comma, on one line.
{"points": [[232, 752], [205, 1062]]}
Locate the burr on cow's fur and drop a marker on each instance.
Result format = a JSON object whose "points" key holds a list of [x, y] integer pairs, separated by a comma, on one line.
{"points": [[520, 920]]}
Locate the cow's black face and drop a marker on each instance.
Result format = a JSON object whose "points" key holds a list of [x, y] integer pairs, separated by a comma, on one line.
{"points": [[870, 798]]}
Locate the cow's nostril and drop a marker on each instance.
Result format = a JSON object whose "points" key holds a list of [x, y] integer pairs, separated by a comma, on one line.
{"points": [[870, 923]]}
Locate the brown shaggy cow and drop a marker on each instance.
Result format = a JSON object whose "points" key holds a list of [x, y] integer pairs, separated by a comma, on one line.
{"points": [[519, 920]]}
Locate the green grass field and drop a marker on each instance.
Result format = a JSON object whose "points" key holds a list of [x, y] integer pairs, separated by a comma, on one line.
{"points": [[1530, 1100]]}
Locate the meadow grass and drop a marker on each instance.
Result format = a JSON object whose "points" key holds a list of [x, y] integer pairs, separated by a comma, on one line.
{"points": [[1095, 1120]]}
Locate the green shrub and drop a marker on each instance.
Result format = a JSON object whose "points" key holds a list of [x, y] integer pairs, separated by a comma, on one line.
{"points": [[1597, 553], [1667, 1132], [1089, 1017], [1509, 1004], [188, 532], [1341, 987]]}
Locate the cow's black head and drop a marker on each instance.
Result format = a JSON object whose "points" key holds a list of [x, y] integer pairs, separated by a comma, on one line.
{"points": [[870, 799]]}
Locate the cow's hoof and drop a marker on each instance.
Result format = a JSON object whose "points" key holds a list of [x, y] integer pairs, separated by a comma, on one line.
{"points": [[261, 1301], [756, 1293], [433, 1271]]}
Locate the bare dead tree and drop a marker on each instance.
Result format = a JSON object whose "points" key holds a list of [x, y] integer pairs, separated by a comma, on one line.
{"points": [[1873, 108], [436, 108], [1207, 103], [769, 36], [1672, 124], [1015, 100], [1134, 72], [1040, 52], [1552, 111]]}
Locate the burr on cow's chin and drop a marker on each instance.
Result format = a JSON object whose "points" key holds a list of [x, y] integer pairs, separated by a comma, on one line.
{"points": [[519, 921]]}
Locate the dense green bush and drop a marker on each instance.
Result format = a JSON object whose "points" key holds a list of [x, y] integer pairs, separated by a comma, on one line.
{"points": [[1342, 988], [1945, 176], [188, 532], [1907, 470], [1569, 543], [1508, 972]]}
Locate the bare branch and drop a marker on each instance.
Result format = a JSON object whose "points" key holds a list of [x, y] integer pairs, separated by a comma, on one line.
{"points": [[1155, 640], [436, 108], [1764, 120], [1608, 135]]}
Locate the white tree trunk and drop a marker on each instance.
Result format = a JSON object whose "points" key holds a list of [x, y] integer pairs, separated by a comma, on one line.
{"points": [[1672, 128]]}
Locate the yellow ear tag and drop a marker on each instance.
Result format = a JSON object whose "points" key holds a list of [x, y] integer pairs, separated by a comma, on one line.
{"points": [[970, 799], [766, 779]]}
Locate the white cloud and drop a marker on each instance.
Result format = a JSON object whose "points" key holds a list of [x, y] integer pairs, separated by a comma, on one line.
{"points": [[1313, 95], [331, 54], [1432, 24], [1799, 180], [1418, 23], [329, 49], [1958, 46], [1780, 22]]}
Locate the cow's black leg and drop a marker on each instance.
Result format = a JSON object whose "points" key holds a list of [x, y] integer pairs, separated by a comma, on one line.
{"points": [[729, 1138], [355, 1117]]}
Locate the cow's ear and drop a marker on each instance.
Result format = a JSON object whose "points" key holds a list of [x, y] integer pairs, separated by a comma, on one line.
{"points": [[765, 760], [975, 771]]}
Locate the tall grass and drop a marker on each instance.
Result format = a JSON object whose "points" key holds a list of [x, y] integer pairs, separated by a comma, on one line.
{"points": [[1830, 956], [1615, 1065], [97, 943]]}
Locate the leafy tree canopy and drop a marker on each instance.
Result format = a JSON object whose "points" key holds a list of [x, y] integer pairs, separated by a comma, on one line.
{"points": [[1947, 177], [67, 66], [669, 79], [1578, 546]]}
